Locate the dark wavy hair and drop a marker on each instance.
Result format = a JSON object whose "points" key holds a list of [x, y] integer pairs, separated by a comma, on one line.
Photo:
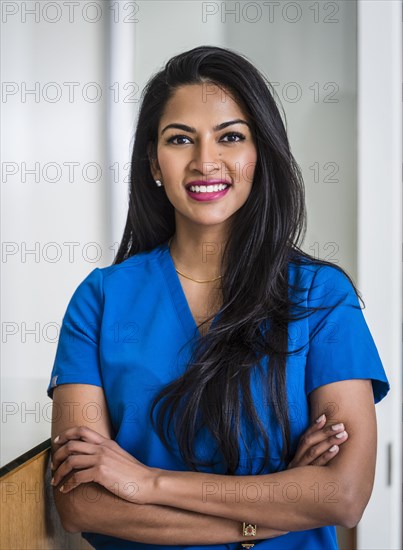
{"points": [[264, 239]]}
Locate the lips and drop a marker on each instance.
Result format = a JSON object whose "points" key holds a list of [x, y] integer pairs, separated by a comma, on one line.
{"points": [[206, 183]]}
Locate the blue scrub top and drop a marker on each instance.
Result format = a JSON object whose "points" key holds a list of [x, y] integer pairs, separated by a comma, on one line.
{"points": [[128, 328]]}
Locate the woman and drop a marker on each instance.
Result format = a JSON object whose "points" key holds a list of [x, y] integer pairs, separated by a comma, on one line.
{"points": [[213, 343]]}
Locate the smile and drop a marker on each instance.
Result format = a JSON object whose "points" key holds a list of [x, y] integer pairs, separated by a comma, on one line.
{"points": [[207, 188], [207, 192]]}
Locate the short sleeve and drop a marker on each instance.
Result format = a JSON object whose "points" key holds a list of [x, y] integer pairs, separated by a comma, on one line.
{"points": [[77, 353], [341, 346]]}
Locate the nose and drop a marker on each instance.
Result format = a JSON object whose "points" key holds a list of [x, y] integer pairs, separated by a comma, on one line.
{"points": [[205, 157]]}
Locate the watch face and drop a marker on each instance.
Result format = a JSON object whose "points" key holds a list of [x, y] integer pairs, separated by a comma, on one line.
{"points": [[249, 530]]}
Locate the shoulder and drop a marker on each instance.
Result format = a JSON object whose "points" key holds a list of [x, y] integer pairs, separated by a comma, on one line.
{"points": [[119, 277], [320, 279], [139, 261]]}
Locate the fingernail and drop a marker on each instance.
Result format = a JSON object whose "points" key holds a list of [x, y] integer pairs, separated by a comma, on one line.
{"points": [[342, 434], [332, 449], [56, 439], [61, 488], [320, 418], [51, 466], [337, 427], [53, 481]]}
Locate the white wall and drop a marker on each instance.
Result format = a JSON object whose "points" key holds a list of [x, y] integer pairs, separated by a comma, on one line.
{"points": [[37, 211], [380, 248]]}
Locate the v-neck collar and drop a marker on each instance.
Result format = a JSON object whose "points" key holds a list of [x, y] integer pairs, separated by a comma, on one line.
{"points": [[178, 295]]}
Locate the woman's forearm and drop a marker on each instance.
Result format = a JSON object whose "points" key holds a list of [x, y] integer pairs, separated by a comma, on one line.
{"points": [[302, 498], [92, 508]]}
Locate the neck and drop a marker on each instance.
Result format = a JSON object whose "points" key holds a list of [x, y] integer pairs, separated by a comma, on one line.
{"points": [[199, 260]]}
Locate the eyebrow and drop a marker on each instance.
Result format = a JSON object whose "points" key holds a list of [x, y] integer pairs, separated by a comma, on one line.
{"points": [[215, 128]]}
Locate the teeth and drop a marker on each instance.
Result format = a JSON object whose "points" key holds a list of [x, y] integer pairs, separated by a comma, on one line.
{"points": [[208, 188]]}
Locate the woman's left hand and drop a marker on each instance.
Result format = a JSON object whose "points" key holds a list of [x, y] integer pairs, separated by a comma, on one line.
{"points": [[100, 459]]}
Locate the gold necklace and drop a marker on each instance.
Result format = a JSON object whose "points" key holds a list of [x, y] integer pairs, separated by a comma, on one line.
{"points": [[187, 276]]}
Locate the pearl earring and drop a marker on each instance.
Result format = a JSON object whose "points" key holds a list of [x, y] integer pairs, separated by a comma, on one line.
{"points": [[158, 183]]}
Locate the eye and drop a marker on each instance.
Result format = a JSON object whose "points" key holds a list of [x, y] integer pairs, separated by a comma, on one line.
{"points": [[171, 139], [236, 134], [229, 134]]}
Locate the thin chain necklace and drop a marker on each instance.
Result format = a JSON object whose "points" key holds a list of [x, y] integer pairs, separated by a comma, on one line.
{"points": [[187, 276]]}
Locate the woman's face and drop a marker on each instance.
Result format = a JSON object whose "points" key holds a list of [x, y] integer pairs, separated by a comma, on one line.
{"points": [[204, 153]]}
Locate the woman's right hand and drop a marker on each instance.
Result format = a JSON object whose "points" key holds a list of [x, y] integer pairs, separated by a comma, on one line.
{"points": [[315, 443]]}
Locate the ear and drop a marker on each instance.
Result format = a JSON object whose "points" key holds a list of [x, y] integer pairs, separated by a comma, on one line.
{"points": [[154, 166]]}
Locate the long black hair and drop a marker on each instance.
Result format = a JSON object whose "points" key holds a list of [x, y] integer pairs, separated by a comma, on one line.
{"points": [[264, 238]]}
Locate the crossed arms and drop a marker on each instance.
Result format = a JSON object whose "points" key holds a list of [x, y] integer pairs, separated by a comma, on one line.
{"points": [[187, 508]]}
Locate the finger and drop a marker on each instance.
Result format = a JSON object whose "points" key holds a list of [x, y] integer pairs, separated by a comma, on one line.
{"points": [[126, 490], [308, 439], [86, 475], [70, 447], [320, 421], [72, 462], [326, 456], [312, 437], [79, 432], [316, 451], [327, 431], [317, 424]]}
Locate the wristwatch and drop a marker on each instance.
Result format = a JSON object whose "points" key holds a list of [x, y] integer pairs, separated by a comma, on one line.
{"points": [[248, 530]]}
